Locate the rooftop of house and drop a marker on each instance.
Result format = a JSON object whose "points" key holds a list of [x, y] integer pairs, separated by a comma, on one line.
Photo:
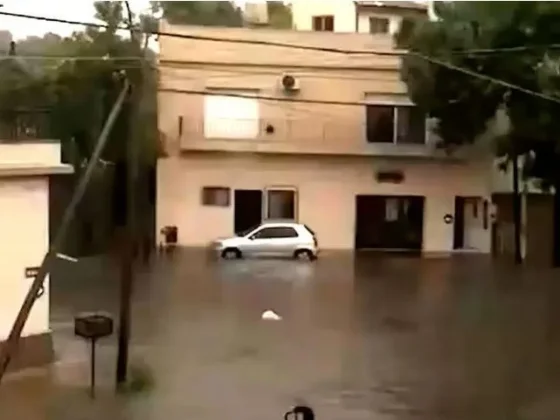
{"points": [[410, 5]]}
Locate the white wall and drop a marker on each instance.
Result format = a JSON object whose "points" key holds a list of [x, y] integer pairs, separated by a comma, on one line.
{"points": [[29, 153], [326, 189], [344, 12], [24, 216], [363, 21]]}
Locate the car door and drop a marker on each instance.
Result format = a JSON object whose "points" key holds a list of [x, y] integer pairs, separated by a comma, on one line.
{"points": [[286, 241], [263, 242]]}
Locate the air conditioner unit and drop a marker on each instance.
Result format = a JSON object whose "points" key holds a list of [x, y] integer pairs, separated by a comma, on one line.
{"points": [[289, 83]]}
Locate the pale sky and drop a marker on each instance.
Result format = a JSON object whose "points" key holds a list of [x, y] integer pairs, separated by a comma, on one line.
{"points": [[63, 9], [69, 9]]}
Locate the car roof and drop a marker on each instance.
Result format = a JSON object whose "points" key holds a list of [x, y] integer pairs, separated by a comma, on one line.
{"points": [[280, 222]]}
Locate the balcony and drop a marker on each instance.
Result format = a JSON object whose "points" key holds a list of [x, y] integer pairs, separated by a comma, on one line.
{"points": [[23, 125], [310, 136]]}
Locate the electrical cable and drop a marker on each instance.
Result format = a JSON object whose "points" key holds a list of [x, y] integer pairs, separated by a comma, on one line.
{"points": [[272, 43], [300, 47]]}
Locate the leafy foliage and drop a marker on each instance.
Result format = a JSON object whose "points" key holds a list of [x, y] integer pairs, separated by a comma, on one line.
{"points": [[204, 13], [465, 105], [514, 42]]}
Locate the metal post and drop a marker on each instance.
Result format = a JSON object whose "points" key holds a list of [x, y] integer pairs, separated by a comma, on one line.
{"points": [[9, 347], [93, 343], [518, 258]]}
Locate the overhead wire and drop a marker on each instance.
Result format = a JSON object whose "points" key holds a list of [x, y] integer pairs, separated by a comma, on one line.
{"points": [[230, 73], [301, 47], [270, 43]]}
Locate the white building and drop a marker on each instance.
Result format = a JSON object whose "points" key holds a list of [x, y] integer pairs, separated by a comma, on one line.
{"points": [[24, 222], [374, 17]]}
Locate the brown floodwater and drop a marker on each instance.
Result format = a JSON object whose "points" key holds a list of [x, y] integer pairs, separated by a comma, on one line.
{"points": [[374, 337]]}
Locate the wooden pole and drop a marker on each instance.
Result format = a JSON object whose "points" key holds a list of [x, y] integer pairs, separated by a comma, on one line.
{"points": [[130, 245]]}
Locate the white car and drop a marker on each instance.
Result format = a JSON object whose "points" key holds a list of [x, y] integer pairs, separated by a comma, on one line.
{"points": [[271, 239]]}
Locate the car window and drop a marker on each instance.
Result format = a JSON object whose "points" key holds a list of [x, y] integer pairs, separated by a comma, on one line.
{"points": [[275, 233]]}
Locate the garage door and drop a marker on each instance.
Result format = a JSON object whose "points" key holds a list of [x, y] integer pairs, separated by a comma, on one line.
{"points": [[389, 222]]}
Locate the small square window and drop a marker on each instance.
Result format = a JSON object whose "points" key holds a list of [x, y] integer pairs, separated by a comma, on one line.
{"points": [[216, 196], [378, 25]]}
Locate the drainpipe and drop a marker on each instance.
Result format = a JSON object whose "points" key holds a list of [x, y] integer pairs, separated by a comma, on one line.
{"points": [[518, 259], [524, 196], [357, 15]]}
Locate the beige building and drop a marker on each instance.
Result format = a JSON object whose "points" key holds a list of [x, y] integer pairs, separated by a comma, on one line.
{"points": [[370, 17], [24, 199], [255, 131]]}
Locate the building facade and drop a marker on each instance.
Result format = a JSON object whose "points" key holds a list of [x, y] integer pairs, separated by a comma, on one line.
{"points": [[25, 169], [254, 130], [369, 17]]}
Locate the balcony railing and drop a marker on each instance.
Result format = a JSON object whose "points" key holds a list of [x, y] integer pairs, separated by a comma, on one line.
{"points": [[21, 125], [300, 135]]}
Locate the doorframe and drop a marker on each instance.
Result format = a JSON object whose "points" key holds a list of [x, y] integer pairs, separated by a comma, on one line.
{"points": [[268, 188], [234, 190], [422, 228]]}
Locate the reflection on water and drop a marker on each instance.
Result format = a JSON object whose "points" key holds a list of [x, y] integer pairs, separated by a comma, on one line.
{"points": [[367, 338]]}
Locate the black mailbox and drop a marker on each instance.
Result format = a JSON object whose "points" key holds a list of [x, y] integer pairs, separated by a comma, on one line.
{"points": [[93, 326]]}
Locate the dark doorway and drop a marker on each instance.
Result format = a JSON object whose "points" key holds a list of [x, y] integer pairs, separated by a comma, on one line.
{"points": [[459, 226], [247, 211], [389, 222]]}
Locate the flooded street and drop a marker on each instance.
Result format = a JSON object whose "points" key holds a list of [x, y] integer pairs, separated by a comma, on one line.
{"points": [[368, 338]]}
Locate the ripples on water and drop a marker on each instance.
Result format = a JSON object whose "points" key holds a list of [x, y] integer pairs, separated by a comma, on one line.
{"points": [[367, 338]]}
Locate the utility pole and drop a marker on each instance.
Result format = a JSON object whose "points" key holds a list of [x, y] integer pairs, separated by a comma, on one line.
{"points": [[130, 245]]}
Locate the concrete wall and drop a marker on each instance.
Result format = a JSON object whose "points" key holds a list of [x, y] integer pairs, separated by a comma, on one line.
{"points": [[29, 153], [326, 190], [348, 17], [23, 243], [24, 240], [344, 12]]}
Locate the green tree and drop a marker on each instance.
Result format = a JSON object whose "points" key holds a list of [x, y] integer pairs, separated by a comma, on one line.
{"points": [[203, 13], [279, 15], [464, 106]]}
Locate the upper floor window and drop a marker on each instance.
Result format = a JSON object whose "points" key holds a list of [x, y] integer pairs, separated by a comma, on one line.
{"points": [[233, 116], [395, 124], [378, 25], [323, 23]]}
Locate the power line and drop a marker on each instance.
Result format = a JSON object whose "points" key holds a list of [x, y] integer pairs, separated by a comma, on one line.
{"points": [[204, 38], [273, 43], [301, 47], [485, 77], [225, 73], [68, 58], [261, 97]]}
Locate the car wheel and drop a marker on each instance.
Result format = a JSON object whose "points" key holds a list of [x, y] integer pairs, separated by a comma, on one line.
{"points": [[231, 254], [304, 255]]}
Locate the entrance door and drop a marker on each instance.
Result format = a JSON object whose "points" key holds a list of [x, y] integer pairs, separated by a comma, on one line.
{"points": [[459, 226], [469, 228], [247, 209], [389, 222]]}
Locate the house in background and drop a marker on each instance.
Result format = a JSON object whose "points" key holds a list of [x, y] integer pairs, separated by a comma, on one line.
{"points": [[25, 169], [331, 140], [369, 17], [537, 208]]}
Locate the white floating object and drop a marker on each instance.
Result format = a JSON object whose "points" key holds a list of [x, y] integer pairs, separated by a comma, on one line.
{"points": [[271, 316], [66, 257]]}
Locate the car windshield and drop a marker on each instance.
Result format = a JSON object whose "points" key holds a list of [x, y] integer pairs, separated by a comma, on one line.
{"points": [[247, 231]]}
